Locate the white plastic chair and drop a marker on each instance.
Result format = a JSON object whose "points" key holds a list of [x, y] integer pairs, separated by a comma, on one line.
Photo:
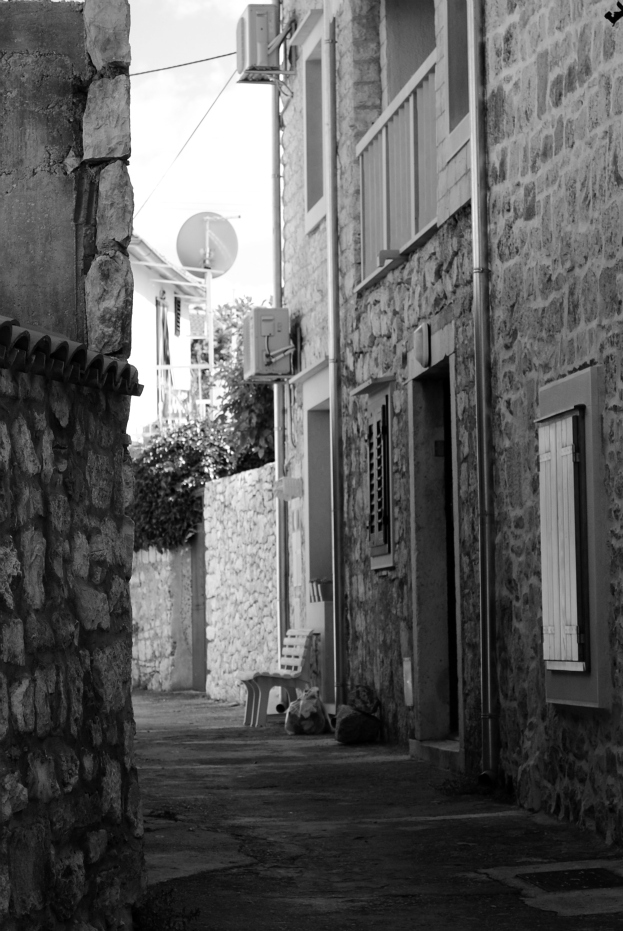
{"points": [[293, 673]]}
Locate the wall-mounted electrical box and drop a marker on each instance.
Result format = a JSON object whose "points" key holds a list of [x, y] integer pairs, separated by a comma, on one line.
{"points": [[257, 27], [267, 349], [421, 345]]}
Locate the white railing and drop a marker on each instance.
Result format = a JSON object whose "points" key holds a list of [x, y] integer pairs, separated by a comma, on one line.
{"points": [[183, 392], [398, 164]]}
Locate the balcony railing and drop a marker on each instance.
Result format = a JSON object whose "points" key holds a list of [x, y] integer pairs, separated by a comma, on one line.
{"points": [[398, 163], [183, 393]]}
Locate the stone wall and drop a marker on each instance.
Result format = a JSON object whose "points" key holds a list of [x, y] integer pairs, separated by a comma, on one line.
{"points": [[555, 101], [241, 582], [71, 828], [433, 286], [70, 844], [161, 590], [66, 206]]}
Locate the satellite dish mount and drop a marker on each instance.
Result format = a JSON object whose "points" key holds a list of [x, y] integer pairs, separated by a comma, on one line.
{"points": [[207, 240]]}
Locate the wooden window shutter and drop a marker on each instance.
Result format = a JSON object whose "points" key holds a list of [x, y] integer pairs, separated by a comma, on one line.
{"points": [[178, 316], [378, 477], [563, 542]]}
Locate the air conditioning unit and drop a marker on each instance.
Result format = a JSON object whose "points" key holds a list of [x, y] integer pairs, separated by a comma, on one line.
{"points": [[257, 27], [267, 349]]}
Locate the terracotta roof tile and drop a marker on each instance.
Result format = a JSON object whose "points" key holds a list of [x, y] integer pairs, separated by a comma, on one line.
{"points": [[61, 359]]}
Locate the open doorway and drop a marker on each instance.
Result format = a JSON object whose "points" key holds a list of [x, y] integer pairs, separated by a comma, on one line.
{"points": [[319, 610], [434, 494]]}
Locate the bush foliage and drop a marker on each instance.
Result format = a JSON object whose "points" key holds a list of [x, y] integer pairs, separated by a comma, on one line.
{"points": [[172, 469]]}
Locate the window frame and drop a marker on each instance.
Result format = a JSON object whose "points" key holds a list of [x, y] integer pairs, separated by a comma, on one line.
{"points": [[564, 565], [592, 688], [313, 37], [460, 135], [381, 554], [379, 520]]}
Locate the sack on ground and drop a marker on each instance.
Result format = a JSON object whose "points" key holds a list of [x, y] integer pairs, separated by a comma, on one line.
{"points": [[356, 722], [307, 715], [356, 727]]}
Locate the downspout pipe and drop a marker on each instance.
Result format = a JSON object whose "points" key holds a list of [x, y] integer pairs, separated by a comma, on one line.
{"points": [[484, 434], [329, 107], [281, 513]]}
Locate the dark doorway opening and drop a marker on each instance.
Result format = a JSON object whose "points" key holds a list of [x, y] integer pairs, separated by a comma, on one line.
{"points": [[448, 486], [436, 630]]}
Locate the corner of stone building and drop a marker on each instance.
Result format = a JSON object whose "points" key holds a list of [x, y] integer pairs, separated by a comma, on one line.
{"points": [[70, 812], [108, 283]]}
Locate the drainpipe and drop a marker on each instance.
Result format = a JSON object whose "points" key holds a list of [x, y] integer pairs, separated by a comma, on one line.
{"points": [[484, 437], [333, 301], [278, 388]]}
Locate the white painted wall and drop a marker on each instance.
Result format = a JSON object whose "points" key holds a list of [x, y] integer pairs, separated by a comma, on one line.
{"points": [[144, 410]]}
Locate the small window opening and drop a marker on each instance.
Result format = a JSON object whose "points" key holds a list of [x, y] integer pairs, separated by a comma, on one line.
{"points": [[178, 316]]}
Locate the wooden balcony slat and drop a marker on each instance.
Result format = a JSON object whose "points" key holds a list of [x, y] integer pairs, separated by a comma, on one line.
{"points": [[398, 158]]}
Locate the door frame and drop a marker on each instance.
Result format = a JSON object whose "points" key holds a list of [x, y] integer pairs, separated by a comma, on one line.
{"points": [[431, 726]]}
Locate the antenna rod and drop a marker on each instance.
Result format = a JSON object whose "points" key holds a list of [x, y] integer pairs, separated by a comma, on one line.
{"points": [[209, 311]]}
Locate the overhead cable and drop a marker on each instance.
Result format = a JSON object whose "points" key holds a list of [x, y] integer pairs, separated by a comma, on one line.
{"points": [[184, 64], [222, 90]]}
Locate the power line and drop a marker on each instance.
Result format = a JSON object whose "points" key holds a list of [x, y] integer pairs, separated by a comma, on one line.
{"points": [[185, 64], [222, 90]]}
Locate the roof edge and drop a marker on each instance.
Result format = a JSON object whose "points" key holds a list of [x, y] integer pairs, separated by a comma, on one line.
{"points": [[41, 352]]}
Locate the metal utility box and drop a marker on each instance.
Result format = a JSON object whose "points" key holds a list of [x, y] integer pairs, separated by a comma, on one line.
{"points": [[257, 27], [267, 350]]}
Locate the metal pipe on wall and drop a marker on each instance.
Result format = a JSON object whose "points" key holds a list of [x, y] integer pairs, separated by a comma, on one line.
{"points": [[484, 434], [333, 302], [281, 513]]}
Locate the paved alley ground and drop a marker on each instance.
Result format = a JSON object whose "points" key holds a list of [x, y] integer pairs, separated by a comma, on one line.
{"points": [[255, 829]]}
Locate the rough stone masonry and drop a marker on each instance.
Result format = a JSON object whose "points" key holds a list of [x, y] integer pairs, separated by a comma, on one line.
{"points": [[555, 145], [65, 196], [69, 804], [70, 821]]}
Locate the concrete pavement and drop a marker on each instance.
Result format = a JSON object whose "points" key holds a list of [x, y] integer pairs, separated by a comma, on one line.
{"points": [[257, 829]]}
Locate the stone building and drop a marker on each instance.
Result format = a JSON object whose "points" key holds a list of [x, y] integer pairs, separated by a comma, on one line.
{"points": [[70, 820], [554, 102], [411, 606], [410, 584]]}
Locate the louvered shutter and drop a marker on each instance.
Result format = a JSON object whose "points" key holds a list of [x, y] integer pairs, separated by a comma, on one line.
{"points": [[563, 572], [178, 316], [378, 477]]}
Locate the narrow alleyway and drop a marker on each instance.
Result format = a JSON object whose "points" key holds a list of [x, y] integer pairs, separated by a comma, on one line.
{"points": [[258, 830]]}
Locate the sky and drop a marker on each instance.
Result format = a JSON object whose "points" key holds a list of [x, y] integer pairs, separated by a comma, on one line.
{"points": [[226, 167]]}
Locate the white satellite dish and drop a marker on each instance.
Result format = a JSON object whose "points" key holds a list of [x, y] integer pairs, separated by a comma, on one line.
{"points": [[222, 239]]}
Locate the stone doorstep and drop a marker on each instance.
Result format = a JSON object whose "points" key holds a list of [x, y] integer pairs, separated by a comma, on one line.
{"points": [[444, 754], [588, 901]]}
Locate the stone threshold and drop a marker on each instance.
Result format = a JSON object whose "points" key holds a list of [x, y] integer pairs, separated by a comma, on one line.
{"points": [[61, 359], [444, 754]]}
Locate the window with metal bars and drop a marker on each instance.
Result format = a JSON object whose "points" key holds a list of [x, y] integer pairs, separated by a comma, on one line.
{"points": [[178, 316], [379, 477]]}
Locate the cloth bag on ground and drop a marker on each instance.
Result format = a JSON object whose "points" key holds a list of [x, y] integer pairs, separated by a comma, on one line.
{"points": [[357, 722], [307, 715]]}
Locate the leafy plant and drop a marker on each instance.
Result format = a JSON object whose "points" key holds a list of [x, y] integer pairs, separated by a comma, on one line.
{"points": [[245, 410], [172, 469], [168, 475]]}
